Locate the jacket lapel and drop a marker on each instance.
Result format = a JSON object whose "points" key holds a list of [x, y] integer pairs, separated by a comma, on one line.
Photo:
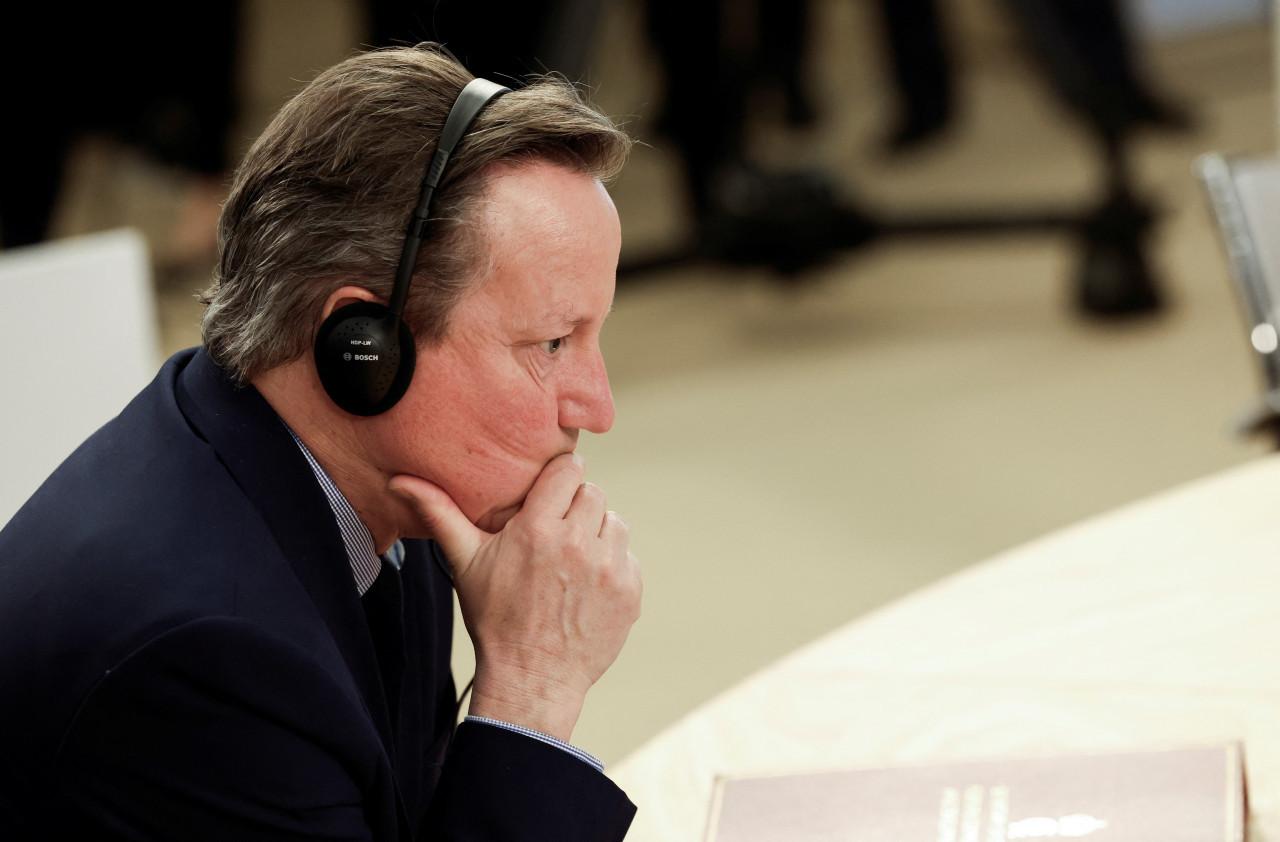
{"points": [[267, 464]]}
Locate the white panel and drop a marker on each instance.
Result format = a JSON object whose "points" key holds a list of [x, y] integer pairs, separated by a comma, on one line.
{"points": [[80, 339]]}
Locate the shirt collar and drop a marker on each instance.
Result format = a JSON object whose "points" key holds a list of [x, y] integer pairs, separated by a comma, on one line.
{"points": [[365, 561]]}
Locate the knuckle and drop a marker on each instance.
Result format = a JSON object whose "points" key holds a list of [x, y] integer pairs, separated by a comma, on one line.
{"points": [[539, 531], [580, 544], [637, 575], [577, 543], [591, 491], [614, 522]]}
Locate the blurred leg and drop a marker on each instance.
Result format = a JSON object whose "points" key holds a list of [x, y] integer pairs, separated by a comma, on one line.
{"points": [[920, 67]]}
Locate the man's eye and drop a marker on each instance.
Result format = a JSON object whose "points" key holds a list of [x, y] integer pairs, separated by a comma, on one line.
{"points": [[552, 345]]}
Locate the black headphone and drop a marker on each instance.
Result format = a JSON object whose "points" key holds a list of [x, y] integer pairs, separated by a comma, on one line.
{"points": [[364, 352]]}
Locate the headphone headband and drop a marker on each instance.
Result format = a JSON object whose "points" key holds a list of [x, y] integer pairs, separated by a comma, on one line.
{"points": [[477, 94]]}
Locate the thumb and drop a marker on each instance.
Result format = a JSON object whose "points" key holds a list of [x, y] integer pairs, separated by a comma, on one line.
{"points": [[445, 523]]}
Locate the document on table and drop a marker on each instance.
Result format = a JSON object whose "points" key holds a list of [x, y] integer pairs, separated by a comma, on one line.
{"points": [[1188, 794]]}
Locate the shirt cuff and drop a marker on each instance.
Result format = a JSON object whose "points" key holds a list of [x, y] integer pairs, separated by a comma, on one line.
{"points": [[544, 738]]}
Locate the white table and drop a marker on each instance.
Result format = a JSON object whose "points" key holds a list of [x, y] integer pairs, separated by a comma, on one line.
{"points": [[1157, 625]]}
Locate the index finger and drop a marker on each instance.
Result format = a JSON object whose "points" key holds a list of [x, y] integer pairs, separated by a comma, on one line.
{"points": [[554, 489]]}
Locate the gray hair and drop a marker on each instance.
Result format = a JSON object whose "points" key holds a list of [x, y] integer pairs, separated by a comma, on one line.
{"points": [[322, 199]]}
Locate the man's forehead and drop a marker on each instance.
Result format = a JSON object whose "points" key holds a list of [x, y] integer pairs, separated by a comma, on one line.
{"points": [[552, 241]]}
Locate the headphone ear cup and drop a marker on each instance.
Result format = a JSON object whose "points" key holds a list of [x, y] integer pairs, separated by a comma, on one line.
{"points": [[365, 364]]}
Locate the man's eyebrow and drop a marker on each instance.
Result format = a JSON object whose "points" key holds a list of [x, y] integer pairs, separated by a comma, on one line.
{"points": [[563, 315]]}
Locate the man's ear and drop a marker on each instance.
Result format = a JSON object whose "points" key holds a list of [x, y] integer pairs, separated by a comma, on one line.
{"points": [[343, 296]]}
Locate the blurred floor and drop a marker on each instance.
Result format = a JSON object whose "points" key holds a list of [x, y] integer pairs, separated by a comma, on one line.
{"points": [[792, 456]]}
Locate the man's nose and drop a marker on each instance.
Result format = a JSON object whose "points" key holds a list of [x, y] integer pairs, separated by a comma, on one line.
{"points": [[587, 404]]}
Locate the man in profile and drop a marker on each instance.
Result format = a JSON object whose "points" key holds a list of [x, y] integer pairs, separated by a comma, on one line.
{"points": [[228, 615]]}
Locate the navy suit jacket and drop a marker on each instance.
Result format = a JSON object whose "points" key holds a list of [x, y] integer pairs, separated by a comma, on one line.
{"points": [[183, 655]]}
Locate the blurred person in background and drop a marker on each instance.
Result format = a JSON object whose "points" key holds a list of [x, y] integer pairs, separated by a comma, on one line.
{"points": [[1084, 48]]}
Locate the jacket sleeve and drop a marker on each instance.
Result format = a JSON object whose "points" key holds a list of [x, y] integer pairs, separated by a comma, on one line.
{"points": [[218, 730], [499, 784]]}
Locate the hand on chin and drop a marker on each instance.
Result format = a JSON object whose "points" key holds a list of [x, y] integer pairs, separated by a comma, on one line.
{"points": [[484, 512], [494, 520]]}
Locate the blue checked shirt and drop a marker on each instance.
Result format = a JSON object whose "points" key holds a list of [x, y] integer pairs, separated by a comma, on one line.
{"points": [[366, 564]]}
